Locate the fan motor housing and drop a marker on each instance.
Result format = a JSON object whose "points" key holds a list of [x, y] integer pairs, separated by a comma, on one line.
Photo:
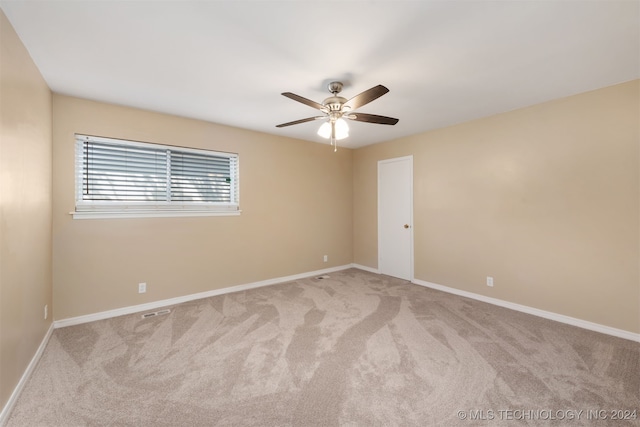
{"points": [[334, 103]]}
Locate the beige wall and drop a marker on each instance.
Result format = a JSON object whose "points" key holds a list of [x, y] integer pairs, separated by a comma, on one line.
{"points": [[295, 196], [25, 208], [544, 199]]}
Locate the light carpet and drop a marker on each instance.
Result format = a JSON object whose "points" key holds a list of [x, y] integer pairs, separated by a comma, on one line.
{"points": [[356, 349]]}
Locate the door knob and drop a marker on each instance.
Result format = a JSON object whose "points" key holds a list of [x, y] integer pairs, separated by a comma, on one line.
{"points": [[406, 226]]}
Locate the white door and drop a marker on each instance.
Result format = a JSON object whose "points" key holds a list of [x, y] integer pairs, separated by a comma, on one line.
{"points": [[395, 217]]}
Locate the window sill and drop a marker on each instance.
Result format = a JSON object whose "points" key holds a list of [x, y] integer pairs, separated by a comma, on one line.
{"points": [[148, 214]]}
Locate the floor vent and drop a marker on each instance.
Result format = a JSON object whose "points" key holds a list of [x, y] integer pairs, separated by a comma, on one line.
{"points": [[156, 313], [322, 277]]}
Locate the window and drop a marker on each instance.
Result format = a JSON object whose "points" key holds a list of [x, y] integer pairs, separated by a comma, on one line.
{"points": [[117, 178]]}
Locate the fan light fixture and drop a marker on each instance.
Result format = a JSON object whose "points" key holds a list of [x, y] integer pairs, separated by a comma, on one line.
{"points": [[342, 130], [337, 108]]}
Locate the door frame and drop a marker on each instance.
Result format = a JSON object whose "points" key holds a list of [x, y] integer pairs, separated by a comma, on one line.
{"points": [[408, 158]]}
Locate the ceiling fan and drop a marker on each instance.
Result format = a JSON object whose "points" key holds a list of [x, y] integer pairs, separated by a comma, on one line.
{"points": [[337, 108]]}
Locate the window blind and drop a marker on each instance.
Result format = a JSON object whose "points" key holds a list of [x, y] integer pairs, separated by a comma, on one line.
{"points": [[125, 175], [200, 178]]}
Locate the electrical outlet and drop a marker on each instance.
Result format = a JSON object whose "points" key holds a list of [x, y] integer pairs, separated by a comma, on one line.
{"points": [[46, 311], [489, 281], [325, 258], [142, 288]]}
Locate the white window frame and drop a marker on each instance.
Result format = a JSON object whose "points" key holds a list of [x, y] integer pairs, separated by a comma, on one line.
{"points": [[85, 209]]}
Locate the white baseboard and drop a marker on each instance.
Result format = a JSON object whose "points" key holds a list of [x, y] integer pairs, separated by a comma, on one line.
{"points": [[172, 301], [365, 268], [620, 333], [4, 415]]}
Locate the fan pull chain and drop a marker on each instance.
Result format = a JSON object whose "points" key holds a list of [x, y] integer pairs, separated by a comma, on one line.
{"points": [[334, 141]]}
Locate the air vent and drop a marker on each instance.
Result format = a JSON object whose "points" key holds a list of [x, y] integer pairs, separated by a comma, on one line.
{"points": [[156, 313]]}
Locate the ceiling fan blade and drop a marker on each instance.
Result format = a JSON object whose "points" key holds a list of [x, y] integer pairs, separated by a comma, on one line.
{"points": [[305, 101], [297, 122], [371, 118], [366, 97]]}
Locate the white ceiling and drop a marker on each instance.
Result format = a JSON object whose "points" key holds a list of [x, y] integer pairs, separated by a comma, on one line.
{"points": [[445, 62]]}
